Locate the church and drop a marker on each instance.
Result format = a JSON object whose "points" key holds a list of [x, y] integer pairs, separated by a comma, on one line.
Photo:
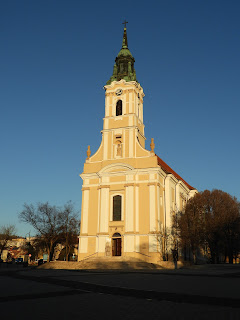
{"points": [[129, 194]]}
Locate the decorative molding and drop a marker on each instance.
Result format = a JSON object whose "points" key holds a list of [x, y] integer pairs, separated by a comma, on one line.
{"points": [[112, 184], [156, 184], [103, 186], [124, 83], [116, 190], [85, 188], [172, 178], [129, 185], [116, 229], [125, 128]]}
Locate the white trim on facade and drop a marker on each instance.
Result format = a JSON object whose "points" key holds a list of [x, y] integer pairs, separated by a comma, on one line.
{"points": [[129, 207], [105, 146], [85, 212], [137, 208], [104, 212], [152, 208]]}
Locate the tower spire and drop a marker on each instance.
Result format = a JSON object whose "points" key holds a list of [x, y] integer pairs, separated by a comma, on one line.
{"points": [[124, 62], [125, 42]]}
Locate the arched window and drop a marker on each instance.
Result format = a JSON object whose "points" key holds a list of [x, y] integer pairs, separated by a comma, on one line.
{"points": [[117, 208], [119, 108]]}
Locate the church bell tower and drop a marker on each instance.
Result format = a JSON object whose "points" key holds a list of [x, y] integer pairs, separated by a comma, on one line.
{"points": [[123, 121]]}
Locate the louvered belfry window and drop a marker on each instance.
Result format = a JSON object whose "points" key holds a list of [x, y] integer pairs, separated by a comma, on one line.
{"points": [[119, 108], [117, 208]]}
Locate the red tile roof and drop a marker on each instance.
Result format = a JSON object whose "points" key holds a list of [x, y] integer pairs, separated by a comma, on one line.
{"points": [[167, 169]]}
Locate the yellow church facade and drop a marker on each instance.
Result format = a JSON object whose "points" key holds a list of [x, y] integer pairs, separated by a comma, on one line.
{"points": [[129, 194]]}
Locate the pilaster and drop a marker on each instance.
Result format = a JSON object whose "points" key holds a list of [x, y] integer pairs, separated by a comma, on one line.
{"points": [[104, 209], [85, 207], [129, 207]]}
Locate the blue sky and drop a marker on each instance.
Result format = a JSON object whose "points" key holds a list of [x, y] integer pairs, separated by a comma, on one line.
{"points": [[55, 58]]}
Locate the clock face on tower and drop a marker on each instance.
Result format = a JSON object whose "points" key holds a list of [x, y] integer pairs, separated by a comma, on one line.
{"points": [[119, 92]]}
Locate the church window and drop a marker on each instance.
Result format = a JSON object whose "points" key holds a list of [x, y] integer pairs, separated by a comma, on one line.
{"points": [[119, 108], [117, 208]]}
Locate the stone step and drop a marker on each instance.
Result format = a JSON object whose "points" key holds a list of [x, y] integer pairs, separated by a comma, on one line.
{"points": [[114, 259], [113, 263], [101, 264]]}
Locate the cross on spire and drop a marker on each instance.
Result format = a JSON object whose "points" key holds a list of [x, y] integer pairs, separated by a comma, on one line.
{"points": [[125, 23]]}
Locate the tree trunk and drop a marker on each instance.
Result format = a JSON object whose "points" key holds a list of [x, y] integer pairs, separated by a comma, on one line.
{"points": [[230, 256], [230, 250], [67, 248], [48, 251], [194, 253]]}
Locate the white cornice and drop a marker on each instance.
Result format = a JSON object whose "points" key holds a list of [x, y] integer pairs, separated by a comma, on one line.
{"points": [[127, 169], [162, 173], [134, 182], [128, 127], [89, 175], [123, 116], [91, 162], [183, 185], [172, 178], [124, 83]]}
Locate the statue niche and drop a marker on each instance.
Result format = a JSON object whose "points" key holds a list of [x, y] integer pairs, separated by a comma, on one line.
{"points": [[119, 148]]}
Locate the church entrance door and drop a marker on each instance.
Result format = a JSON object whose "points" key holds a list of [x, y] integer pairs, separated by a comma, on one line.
{"points": [[116, 244]]}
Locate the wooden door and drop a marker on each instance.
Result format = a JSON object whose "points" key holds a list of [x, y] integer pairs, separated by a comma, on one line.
{"points": [[117, 247], [114, 247]]}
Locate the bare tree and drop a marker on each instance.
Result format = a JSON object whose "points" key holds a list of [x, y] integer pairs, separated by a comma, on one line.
{"points": [[6, 233], [45, 219], [70, 226], [167, 238], [53, 225], [162, 241]]}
